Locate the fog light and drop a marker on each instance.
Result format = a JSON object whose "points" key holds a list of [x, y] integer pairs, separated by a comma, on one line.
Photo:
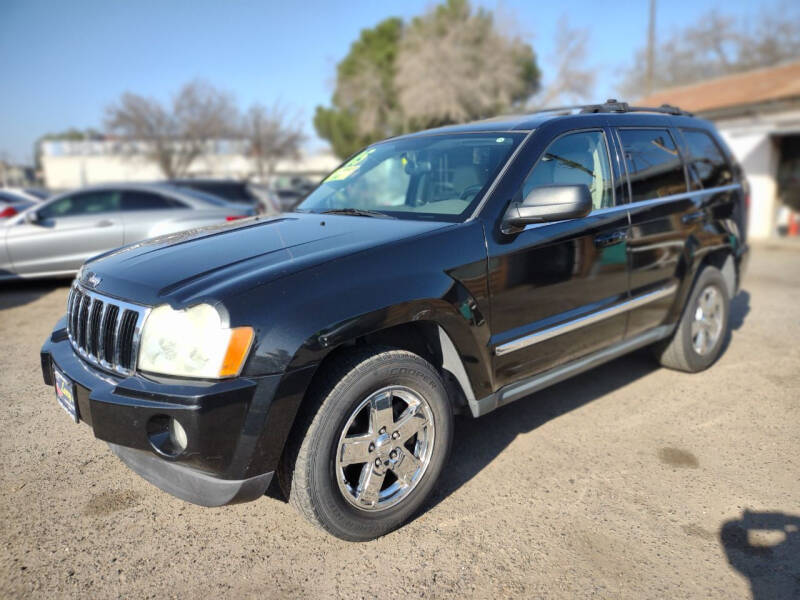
{"points": [[177, 435], [167, 436]]}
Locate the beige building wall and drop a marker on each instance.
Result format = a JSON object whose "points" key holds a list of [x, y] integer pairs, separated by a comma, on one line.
{"points": [[70, 170]]}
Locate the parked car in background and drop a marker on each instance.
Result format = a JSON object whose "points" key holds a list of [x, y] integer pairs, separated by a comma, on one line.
{"points": [[15, 200], [240, 192], [289, 198], [55, 237], [291, 191]]}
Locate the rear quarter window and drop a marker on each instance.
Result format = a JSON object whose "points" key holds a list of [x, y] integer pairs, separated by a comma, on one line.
{"points": [[707, 165]]}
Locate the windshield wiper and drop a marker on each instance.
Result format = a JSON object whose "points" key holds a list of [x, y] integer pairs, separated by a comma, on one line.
{"points": [[358, 212]]}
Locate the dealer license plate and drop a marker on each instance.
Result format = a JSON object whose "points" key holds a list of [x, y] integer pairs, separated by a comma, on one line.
{"points": [[65, 393]]}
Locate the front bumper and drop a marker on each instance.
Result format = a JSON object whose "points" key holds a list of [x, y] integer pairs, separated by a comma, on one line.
{"points": [[223, 420]]}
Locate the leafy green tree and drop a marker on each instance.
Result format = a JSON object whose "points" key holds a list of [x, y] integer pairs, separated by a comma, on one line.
{"points": [[364, 106]]}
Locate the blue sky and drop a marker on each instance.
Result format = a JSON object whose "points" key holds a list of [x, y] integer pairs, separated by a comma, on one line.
{"points": [[62, 62]]}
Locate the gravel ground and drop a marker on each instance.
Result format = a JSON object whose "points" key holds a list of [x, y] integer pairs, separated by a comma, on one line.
{"points": [[628, 481]]}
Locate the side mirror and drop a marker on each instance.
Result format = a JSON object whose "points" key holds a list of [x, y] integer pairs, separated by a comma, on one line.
{"points": [[32, 217], [548, 203]]}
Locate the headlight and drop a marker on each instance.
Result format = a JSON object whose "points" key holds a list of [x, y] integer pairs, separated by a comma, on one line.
{"points": [[192, 343]]}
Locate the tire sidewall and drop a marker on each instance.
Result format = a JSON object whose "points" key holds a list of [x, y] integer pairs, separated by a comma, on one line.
{"points": [[376, 373], [708, 277]]}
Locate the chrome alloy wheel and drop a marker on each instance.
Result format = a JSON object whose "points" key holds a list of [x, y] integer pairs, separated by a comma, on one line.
{"points": [[707, 324], [385, 448]]}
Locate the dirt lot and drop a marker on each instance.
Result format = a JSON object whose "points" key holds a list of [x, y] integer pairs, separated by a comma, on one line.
{"points": [[628, 481]]}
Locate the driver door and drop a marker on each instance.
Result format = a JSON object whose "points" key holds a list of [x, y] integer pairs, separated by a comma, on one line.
{"points": [[551, 281], [67, 231]]}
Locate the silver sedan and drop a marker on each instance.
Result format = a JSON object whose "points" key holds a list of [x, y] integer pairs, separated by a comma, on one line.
{"points": [[54, 238]]}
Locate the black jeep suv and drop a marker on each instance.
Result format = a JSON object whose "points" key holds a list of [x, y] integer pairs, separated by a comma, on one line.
{"points": [[449, 271]]}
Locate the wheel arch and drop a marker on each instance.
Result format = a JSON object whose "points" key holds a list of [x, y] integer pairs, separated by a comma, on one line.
{"points": [[440, 335], [722, 257]]}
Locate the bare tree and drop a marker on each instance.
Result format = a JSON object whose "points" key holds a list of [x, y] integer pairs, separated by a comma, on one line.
{"points": [[716, 45], [454, 64], [273, 135], [175, 135], [573, 80]]}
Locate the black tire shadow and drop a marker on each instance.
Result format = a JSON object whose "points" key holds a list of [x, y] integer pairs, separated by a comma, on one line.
{"points": [[477, 442], [18, 292], [771, 563], [740, 308]]}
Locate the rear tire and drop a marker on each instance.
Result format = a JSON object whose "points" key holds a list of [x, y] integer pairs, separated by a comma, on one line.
{"points": [[370, 443], [700, 335]]}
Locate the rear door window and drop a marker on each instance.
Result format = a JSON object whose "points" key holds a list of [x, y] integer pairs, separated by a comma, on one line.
{"points": [[654, 165], [707, 165], [136, 200]]}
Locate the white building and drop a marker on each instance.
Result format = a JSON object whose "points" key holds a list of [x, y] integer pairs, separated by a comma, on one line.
{"points": [[758, 115], [71, 164]]}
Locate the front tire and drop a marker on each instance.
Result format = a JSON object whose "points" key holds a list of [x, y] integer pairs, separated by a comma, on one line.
{"points": [[371, 441], [700, 335]]}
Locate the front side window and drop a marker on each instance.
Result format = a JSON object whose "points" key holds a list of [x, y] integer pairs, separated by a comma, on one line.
{"points": [[84, 203], [439, 177], [707, 165], [579, 158], [654, 165]]}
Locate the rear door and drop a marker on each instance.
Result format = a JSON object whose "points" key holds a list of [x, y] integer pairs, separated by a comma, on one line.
{"points": [[69, 230], [550, 282], [711, 179], [662, 214]]}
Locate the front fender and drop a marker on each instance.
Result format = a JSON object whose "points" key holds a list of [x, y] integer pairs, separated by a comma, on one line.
{"points": [[303, 317]]}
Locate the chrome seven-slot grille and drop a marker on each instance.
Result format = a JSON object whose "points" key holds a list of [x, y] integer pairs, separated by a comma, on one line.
{"points": [[104, 331]]}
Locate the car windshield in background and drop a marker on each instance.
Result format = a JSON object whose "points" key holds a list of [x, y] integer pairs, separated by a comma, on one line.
{"points": [[38, 193], [438, 177], [232, 191]]}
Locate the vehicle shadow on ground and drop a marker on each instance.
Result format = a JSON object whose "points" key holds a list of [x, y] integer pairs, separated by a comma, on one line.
{"points": [[740, 308], [19, 292], [765, 548], [477, 442]]}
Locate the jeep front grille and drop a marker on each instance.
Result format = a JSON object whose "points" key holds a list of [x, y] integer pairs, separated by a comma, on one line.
{"points": [[105, 331]]}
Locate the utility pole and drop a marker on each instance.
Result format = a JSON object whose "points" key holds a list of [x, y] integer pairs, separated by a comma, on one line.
{"points": [[651, 42]]}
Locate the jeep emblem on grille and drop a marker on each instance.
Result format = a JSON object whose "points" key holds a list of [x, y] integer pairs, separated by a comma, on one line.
{"points": [[93, 280]]}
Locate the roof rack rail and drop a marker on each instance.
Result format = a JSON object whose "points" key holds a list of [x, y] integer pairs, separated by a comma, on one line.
{"points": [[613, 105]]}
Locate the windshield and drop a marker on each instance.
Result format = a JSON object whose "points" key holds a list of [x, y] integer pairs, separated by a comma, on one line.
{"points": [[440, 177]]}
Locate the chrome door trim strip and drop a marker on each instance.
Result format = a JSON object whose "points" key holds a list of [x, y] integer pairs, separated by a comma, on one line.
{"points": [[645, 203], [521, 389], [606, 313]]}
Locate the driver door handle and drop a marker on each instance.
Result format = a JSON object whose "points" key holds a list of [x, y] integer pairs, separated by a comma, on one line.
{"points": [[609, 239], [104, 223], [693, 217]]}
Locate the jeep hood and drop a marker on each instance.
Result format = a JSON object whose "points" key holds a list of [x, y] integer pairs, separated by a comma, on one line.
{"points": [[212, 262]]}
